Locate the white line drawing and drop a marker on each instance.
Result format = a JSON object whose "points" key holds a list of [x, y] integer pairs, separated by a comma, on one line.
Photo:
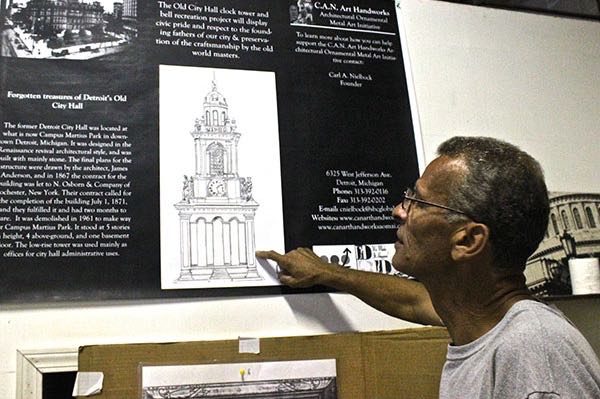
{"points": [[249, 97], [318, 388], [278, 379], [217, 210]]}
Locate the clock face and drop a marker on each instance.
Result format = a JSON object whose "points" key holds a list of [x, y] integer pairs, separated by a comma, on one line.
{"points": [[216, 188]]}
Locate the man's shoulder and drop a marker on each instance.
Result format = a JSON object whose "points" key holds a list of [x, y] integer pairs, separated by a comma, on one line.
{"points": [[535, 327], [531, 324], [537, 339], [532, 317]]}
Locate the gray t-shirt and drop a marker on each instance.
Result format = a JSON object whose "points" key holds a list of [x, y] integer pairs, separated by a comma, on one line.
{"points": [[533, 353]]}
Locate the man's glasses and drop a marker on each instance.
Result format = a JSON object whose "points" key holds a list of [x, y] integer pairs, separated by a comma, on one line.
{"points": [[409, 196]]}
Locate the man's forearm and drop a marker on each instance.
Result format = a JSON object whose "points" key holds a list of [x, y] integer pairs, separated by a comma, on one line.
{"points": [[399, 297]]}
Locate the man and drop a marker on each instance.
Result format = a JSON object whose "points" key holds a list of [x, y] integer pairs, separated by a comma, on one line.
{"points": [[466, 230], [305, 8]]}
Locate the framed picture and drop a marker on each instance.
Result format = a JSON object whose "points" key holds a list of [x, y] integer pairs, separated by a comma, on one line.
{"points": [[282, 379]]}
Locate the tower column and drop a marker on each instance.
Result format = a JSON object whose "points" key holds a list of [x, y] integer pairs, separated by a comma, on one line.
{"points": [[235, 249], [193, 238], [210, 250], [201, 242], [218, 244], [204, 160], [230, 168], [184, 240], [198, 157], [242, 242], [252, 272], [227, 243], [234, 158]]}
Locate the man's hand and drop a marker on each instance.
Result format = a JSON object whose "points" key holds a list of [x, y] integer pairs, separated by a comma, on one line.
{"points": [[299, 268], [396, 296]]}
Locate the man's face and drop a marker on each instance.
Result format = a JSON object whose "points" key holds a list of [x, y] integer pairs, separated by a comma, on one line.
{"points": [[423, 239]]}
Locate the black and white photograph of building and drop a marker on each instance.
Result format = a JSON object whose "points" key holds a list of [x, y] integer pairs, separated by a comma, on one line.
{"points": [[573, 233], [315, 379], [67, 29]]}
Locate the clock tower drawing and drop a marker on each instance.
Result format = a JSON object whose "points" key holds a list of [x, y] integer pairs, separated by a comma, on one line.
{"points": [[216, 212]]}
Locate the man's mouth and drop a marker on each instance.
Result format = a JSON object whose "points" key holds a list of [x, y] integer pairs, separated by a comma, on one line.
{"points": [[399, 237]]}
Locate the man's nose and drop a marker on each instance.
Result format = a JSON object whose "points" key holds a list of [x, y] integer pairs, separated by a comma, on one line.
{"points": [[399, 213]]}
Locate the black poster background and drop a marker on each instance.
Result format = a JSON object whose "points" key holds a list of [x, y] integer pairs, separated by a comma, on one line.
{"points": [[322, 126]]}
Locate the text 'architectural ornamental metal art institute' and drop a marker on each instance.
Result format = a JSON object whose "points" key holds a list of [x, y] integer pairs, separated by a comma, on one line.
{"points": [[217, 210]]}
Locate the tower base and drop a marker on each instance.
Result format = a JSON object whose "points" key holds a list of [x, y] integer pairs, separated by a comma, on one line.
{"points": [[222, 272]]}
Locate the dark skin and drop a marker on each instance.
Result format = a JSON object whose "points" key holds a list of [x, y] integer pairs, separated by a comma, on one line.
{"points": [[459, 286]]}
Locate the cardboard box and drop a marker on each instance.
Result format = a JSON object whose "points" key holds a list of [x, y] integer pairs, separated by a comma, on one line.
{"points": [[373, 365]]}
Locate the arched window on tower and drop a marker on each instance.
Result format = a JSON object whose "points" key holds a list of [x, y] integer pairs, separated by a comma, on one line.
{"points": [[554, 224], [208, 118], [565, 219], [215, 117], [590, 217], [216, 156], [577, 217], [223, 117]]}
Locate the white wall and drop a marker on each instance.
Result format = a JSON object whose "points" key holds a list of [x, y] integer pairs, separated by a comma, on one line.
{"points": [[530, 79], [526, 78]]}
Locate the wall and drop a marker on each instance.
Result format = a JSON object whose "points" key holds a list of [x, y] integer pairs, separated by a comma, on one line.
{"points": [[529, 79], [526, 78]]}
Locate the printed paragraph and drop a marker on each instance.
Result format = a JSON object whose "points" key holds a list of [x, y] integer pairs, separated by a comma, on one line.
{"points": [[212, 31], [64, 189]]}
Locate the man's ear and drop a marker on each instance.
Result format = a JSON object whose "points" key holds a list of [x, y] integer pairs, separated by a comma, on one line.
{"points": [[469, 241]]}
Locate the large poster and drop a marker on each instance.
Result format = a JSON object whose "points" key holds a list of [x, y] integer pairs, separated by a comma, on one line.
{"points": [[149, 148]]}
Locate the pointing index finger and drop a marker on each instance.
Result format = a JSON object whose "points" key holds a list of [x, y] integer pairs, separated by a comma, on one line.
{"points": [[277, 257]]}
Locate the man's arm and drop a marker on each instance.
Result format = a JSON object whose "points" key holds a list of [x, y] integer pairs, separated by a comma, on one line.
{"points": [[399, 297]]}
